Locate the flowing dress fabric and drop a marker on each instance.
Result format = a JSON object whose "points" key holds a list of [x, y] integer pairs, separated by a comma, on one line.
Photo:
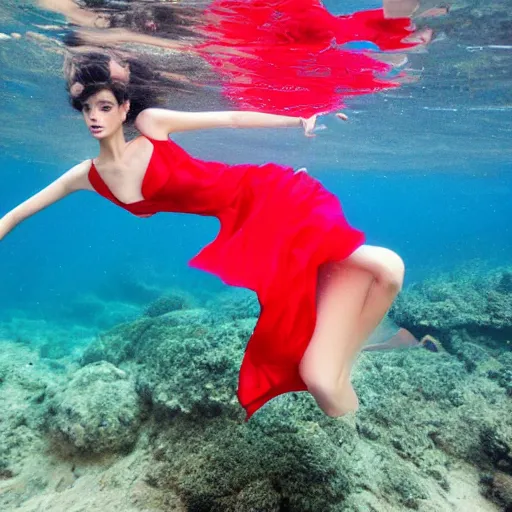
{"points": [[287, 56], [277, 226]]}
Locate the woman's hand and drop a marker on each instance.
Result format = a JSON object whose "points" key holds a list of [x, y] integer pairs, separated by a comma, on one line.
{"points": [[309, 124]]}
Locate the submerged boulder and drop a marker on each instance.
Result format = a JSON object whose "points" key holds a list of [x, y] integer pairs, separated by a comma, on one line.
{"points": [[175, 301], [97, 411], [186, 361], [191, 368]]}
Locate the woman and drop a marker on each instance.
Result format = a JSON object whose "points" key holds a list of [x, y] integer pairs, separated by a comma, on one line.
{"points": [[283, 235]]}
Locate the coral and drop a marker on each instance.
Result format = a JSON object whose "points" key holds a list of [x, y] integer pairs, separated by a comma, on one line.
{"points": [[503, 375], [186, 360], [496, 442], [284, 463], [23, 383], [481, 305], [498, 487], [428, 407], [236, 304], [420, 411], [190, 367], [97, 411], [129, 288], [505, 282], [53, 340], [117, 345], [121, 342], [296, 471], [168, 303], [401, 481]]}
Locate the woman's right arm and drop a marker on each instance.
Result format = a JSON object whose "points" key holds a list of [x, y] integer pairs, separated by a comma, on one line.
{"points": [[74, 179]]}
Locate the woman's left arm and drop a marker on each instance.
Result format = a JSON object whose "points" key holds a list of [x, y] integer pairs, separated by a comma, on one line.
{"points": [[157, 123]]}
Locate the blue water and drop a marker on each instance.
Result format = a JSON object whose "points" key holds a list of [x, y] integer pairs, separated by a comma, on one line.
{"points": [[435, 221]]}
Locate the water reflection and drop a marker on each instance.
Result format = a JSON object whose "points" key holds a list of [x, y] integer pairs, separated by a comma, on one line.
{"points": [[278, 56], [215, 59]]}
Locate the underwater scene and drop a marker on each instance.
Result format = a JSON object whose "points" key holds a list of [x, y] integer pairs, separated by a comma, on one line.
{"points": [[330, 329]]}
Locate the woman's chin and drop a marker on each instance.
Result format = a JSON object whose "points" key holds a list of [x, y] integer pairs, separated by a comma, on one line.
{"points": [[98, 135]]}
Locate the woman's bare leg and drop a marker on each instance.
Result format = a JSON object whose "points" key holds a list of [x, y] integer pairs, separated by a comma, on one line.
{"points": [[353, 297]]}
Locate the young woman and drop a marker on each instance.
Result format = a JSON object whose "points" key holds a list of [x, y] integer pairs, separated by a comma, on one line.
{"points": [[282, 234]]}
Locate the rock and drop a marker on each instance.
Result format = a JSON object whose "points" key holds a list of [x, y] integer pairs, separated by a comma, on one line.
{"points": [[168, 303], [97, 411], [498, 488], [190, 368]]}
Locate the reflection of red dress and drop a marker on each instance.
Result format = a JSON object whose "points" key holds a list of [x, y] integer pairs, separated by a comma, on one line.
{"points": [[283, 56], [276, 227]]}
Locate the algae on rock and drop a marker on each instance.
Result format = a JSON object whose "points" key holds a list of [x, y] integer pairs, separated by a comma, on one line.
{"points": [[97, 411]]}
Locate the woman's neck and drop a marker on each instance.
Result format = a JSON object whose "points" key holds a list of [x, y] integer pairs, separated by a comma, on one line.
{"points": [[112, 148]]}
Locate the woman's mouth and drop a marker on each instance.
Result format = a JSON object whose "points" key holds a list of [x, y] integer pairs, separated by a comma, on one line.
{"points": [[95, 128]]}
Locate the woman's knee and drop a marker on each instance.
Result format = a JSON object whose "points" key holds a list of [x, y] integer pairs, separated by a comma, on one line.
{"points": [[319, 376], [393, 270], [385, 265]]}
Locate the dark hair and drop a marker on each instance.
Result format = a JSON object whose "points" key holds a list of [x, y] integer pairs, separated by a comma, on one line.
{"points": [[118, 89], [169, 20], [145, 87]]}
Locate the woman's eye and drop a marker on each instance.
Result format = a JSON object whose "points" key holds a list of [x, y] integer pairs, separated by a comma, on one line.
{"points": [[106, 109]]}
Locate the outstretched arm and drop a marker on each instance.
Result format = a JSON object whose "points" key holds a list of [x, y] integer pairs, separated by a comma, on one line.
{"points": [[72, 180], [157, 123], [74, 13]]}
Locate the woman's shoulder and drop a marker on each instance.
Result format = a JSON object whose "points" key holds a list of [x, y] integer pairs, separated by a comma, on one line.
{"points": [[148, 124], [78, 175]]}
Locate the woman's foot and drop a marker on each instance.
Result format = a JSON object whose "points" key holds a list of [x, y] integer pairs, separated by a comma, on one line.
{"points": [[432, 344]]}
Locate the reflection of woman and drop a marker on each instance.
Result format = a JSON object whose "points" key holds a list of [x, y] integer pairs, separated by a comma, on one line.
{"points": [[282, 234], [281, 56], [291, 55]]}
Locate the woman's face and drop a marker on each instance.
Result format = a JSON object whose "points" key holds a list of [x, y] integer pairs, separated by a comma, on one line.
{"points": [[103, 115]]}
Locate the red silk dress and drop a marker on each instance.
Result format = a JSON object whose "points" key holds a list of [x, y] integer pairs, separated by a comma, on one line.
{"points": [[276, 227]]}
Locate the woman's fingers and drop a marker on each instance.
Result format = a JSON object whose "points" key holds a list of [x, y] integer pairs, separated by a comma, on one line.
{"points": [[309, 126]]}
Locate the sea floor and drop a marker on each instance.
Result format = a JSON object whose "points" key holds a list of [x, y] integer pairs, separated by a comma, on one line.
{"points": [[144, 416]]}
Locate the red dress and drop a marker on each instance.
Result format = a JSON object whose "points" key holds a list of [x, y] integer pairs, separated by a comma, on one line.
{"points": [[276, 227]]}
